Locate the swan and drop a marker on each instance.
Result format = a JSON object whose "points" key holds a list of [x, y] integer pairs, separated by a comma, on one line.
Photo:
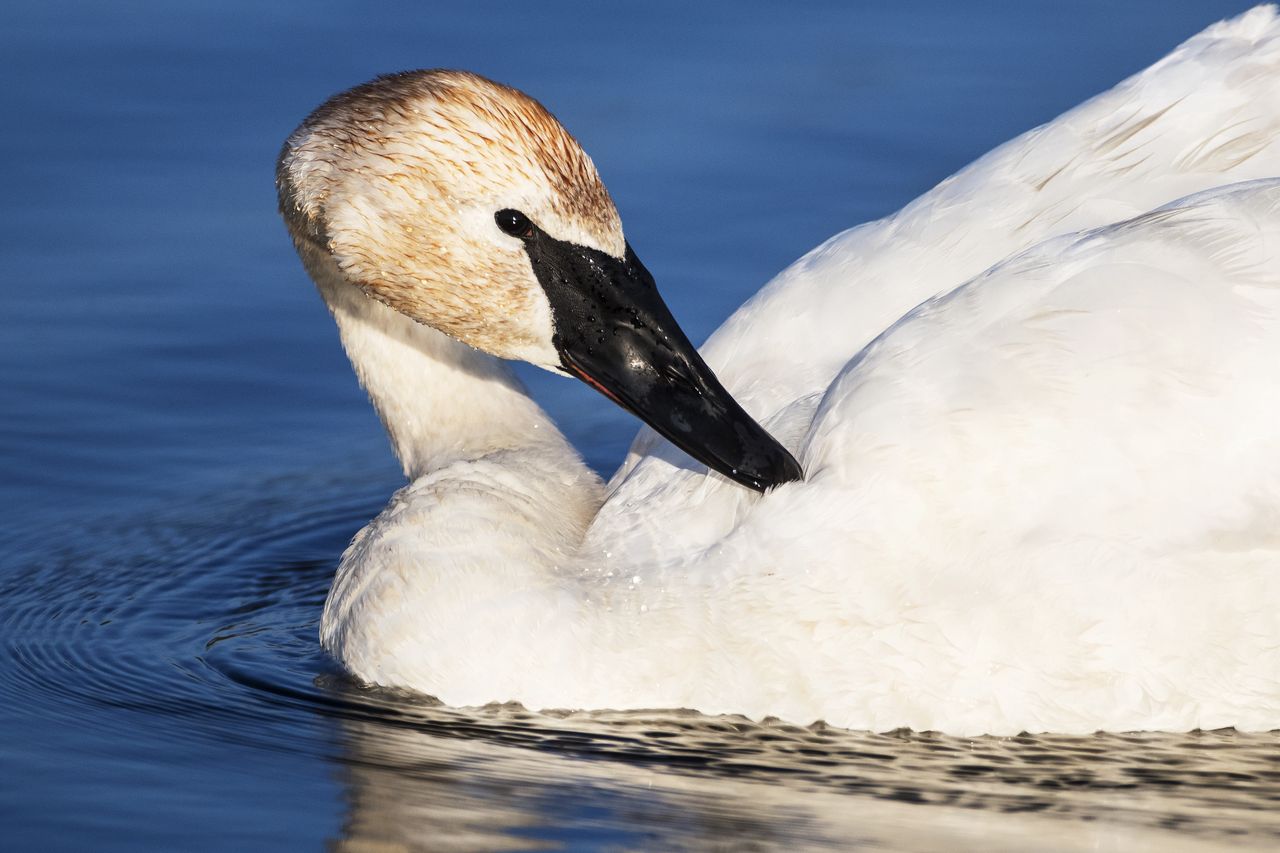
{"points": [[1004, 461]]}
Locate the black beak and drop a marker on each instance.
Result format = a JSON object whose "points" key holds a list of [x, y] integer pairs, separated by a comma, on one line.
{"points": [[614, 332]]}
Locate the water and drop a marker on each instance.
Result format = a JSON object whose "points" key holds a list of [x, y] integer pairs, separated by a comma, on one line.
{"points": [[184, 453]]}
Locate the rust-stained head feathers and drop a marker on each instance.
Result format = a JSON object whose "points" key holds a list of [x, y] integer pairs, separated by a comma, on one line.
{"points": [[398, 180]]}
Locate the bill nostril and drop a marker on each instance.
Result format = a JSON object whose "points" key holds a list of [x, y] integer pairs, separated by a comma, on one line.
{"points": [[677, 373]]}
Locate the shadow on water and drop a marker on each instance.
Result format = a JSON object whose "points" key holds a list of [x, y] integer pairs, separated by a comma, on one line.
{"points": [[201, 632]]}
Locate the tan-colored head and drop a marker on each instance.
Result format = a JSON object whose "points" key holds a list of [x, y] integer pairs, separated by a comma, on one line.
{"points": [[465, 205], [398, 180]]}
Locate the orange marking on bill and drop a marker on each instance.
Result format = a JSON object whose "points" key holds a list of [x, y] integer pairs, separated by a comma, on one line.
{"points": [[587, 378]]}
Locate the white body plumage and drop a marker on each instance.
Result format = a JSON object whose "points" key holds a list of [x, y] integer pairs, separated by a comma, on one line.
{"points": [[1040, 497]]}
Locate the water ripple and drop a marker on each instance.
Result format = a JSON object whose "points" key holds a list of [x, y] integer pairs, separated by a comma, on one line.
{"points": [[204, 629]]}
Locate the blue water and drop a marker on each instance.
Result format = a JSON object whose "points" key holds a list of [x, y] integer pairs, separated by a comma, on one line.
{"points": [[184, 451]]}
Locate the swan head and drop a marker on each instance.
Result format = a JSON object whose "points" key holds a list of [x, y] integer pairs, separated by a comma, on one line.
{"points": [[464, 205]]}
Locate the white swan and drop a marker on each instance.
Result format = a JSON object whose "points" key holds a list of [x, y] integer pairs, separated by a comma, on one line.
{"points": [[1048, 500]]}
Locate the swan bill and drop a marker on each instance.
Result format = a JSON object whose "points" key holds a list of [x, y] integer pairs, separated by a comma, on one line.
{"points": [[614, 332]]}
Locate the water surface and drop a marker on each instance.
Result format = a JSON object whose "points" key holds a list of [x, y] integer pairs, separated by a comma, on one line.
{"points": [[184, 452]]}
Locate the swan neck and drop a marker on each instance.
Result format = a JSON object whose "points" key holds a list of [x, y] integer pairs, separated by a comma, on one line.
{"points": [[440, 401]]}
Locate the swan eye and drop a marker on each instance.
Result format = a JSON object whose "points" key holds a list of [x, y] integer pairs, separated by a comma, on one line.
{"points": [[515, 223]]}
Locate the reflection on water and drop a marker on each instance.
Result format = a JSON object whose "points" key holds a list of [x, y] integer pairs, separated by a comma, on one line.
{"points": [[709, 782], [215, 646]]}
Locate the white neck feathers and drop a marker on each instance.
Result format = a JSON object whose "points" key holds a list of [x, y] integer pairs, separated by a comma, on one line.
{"points": [[440, 400]]}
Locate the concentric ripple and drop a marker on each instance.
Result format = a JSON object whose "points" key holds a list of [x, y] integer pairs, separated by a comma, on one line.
{"points": [[199, 627]]}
